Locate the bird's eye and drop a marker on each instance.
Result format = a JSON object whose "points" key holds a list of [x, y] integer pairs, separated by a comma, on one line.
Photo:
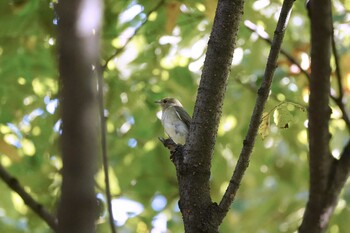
{"points": [[164, 101]]}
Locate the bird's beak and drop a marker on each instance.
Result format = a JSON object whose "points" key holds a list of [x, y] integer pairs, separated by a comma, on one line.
{"points": [[157, 101]]}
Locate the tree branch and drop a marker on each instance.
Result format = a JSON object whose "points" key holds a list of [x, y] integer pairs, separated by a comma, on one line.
{"points": [[337, 100], [119, 50], [79, 49], [104, 149], [263, 94], [102, 117], [343, 110], [272, 96], [340, 171], [28, 200], [197, 152], [316, 216], [263, 35], [337, 67]]}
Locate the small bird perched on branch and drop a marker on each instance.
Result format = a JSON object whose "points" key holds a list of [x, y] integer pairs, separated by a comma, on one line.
{"points": [[175, 119]]}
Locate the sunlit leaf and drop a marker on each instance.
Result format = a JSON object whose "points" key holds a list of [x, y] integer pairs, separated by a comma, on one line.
{"points": [[282, 117], [264, 125]]}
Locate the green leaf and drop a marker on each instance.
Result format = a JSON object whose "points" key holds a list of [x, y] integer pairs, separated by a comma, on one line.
{"points": [[282, 117]]}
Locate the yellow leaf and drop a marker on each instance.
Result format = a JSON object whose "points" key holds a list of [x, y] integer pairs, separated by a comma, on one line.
{"points": [[264, 125]]}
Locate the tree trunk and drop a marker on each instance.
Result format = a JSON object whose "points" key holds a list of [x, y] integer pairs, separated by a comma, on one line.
{"points": [[317, 213], [78, 40], [195, 201]]}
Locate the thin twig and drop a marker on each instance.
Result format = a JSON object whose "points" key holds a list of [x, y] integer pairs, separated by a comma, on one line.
{"points": [[28, 200], [337, 177], [337, 68], [104, 150], [263, 94], [337, 100], [301, 107], [121, 49], [263, 35], [272, 95], [342, 108]]}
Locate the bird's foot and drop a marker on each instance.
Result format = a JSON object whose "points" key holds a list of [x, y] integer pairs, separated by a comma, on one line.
{"points": [[177, 155], [168, 143], [176, 150]]}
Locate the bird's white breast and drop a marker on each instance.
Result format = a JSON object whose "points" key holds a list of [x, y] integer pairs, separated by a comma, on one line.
{"points": [[174, 126]]}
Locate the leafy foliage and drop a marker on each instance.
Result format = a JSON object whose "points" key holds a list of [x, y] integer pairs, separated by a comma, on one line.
{"points": [[282, 117], [160, 48]]}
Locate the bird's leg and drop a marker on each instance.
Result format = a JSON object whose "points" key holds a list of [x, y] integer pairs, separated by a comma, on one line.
{"points": [[168, 143], [176, 150]]}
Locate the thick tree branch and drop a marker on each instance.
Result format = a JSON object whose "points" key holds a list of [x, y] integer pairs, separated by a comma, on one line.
{"points": [[78, 39], [316, 216], [28, 200], [342, 170], [195, 201], [338, 175], [263, 94]]}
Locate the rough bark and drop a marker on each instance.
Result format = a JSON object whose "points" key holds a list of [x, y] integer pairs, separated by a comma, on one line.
{"points": [[320, 206], [195, 201], [193, 161], [78, 40]]}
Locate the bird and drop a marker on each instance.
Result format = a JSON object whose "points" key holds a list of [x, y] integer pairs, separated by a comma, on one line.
{"points": [[175, 120]]}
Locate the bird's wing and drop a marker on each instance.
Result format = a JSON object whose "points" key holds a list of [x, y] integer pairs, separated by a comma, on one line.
{"points": [[183, 115]]}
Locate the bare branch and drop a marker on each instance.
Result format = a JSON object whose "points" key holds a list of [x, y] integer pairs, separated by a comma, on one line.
{"points": [[273, 96], [337, 68], [104, 150], [28, 200], [263, 94], [339, 99], [263, 35]]}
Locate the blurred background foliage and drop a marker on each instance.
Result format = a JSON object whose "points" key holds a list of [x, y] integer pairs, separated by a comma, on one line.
{"points": [[153, 49]]}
